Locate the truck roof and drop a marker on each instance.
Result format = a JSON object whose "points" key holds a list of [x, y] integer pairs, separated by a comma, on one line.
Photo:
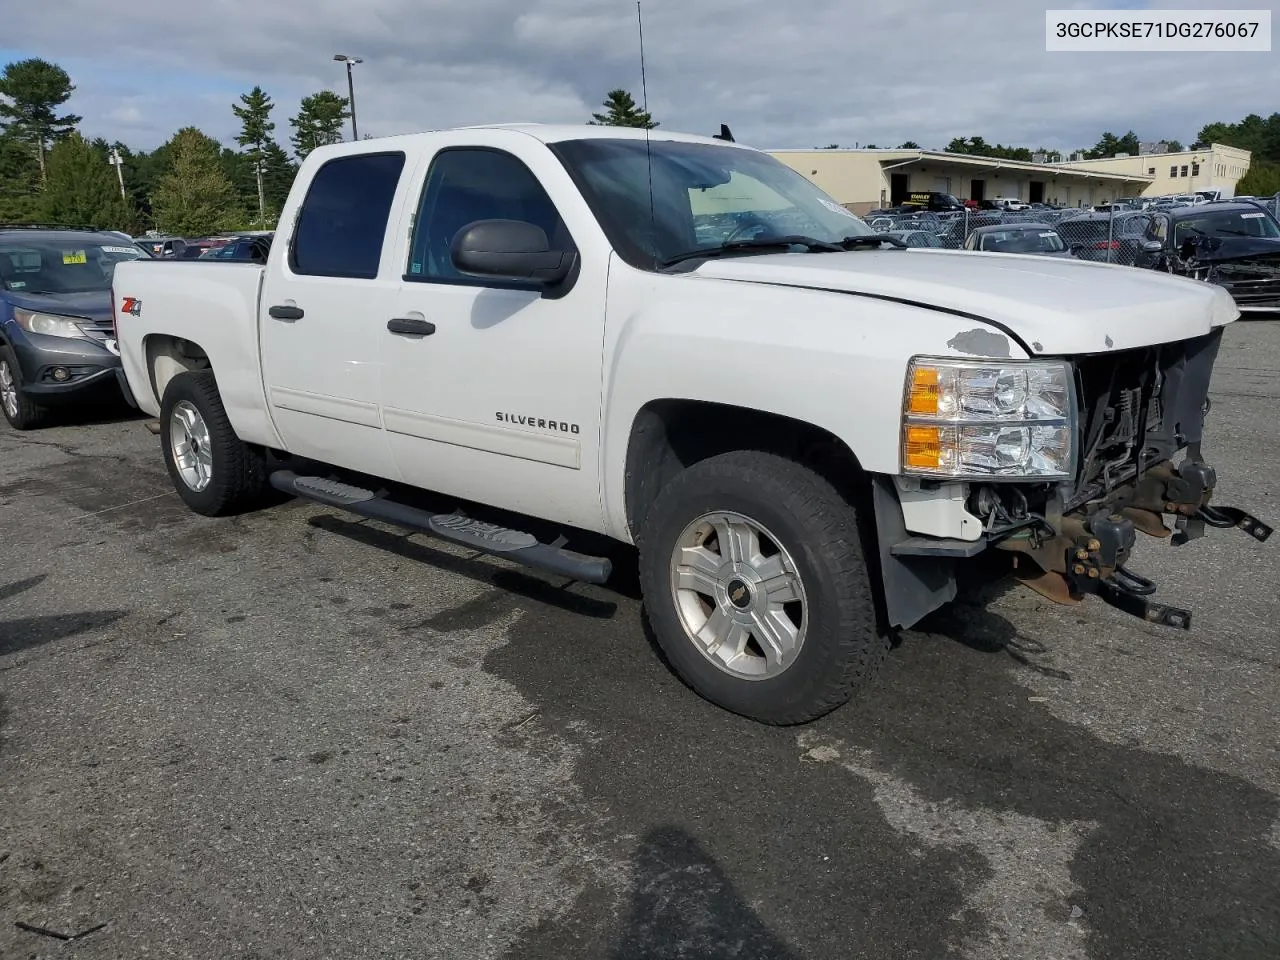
{"points": [[545, 132]]}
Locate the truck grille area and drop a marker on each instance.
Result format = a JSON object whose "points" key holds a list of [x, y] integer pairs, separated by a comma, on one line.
{"points": [[1138, 408]]}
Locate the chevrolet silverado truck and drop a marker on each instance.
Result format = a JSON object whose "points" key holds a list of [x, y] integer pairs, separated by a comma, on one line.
{"points": [[679, 343]]}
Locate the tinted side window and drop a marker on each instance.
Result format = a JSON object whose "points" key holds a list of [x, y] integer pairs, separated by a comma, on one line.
{"points": [[344, 216], [466, 185]]}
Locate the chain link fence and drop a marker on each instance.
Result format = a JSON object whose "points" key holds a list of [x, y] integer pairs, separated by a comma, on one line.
{"points": [[1126, 235]]}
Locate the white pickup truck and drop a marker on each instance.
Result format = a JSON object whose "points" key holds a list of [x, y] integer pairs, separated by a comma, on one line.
{"points": [[681, 344]]}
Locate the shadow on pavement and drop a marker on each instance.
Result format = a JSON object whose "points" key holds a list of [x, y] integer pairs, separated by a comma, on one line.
{"points": [[683, 905], [526, 586], [25, 633]]}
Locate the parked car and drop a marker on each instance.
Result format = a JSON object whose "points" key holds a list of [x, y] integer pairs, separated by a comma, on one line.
{"points": [[1235, 244], [1039, 239], [1126, 238], [805, 433], [57, 339], [933, 200], [243, 249], [917, 237], [162, 247]]}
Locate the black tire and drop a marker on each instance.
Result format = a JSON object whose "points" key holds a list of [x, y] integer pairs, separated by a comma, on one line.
{"points": [[842, 645], [238, 475], [28, 415]]}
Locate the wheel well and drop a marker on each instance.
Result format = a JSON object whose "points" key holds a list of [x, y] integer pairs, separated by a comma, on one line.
{"points": [[668, 436], [169, 356]]}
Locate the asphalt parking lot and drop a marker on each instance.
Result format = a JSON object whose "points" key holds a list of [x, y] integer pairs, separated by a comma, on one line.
{"points": [[292, 734]]}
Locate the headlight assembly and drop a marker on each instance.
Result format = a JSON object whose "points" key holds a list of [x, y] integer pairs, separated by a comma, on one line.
{"points": [[983, 419], [49, 324]]}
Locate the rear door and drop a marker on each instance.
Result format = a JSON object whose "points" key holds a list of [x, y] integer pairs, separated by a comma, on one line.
{"points": [[326, 297]]}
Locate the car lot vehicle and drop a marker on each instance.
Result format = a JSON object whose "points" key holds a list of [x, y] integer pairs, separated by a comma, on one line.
{"points": [[933, 201], [162, 247], [1235, 244], [242, 249], [1125, 238], [57, 342], [803, 434], [1030, 238], [916, 237]]}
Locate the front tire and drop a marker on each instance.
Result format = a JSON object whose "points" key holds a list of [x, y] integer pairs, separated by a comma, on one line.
{"points": [[21, 413], [757, 589], [214, 471]]}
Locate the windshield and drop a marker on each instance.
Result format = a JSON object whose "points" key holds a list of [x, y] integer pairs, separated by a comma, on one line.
{"points": [[1226, 223], [1023, 241], [704, 196], [70, 264]]}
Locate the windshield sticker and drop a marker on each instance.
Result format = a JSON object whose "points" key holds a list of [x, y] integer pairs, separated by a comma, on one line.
{"points": [[1048, 233], [119, 249], [1251, 216], [836, 208], [17, 284], [74, 256]]}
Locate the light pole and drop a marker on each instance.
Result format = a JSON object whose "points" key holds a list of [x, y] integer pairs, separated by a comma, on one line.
{"points": [[351, 88], [117, 161]]}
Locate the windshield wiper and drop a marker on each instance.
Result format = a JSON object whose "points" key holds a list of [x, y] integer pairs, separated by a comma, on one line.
{"points": [[756, 243], [870, 240]]}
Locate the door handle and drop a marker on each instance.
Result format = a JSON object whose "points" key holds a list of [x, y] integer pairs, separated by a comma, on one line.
{"points": [[410, 327], [280, 312]]}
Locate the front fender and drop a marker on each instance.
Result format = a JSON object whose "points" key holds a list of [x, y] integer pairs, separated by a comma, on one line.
{"points": [[834, 360]]}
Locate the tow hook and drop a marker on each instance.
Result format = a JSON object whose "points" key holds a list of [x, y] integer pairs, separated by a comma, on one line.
{"points": [[1096, 565], [1192, 527]]}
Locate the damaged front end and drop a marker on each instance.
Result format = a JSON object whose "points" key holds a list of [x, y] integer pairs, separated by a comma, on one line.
{"points": [[1139, 409], [1248, 268]]}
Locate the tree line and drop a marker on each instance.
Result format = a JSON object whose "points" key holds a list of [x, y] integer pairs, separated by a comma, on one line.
{"points": [[190, 185]]}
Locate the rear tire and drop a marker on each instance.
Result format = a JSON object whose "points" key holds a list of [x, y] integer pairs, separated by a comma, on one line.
{"points": [[214, 471], [788, 631], [21, 412]]}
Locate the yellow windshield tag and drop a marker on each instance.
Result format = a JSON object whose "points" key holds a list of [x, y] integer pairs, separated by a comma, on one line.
{"points": [[74, 256]]}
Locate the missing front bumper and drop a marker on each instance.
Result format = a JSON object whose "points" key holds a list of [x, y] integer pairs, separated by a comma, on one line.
{"points": [[1087, 556]]}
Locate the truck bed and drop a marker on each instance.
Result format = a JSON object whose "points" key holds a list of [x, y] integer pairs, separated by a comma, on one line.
{"points": [[205, 314]]}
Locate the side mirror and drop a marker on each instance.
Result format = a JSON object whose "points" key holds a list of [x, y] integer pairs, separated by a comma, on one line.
{"points": [[509, 250], [1152, 246]]}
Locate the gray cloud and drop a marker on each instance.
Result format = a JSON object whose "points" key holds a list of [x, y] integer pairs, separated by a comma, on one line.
{"points": [[801, 74]]}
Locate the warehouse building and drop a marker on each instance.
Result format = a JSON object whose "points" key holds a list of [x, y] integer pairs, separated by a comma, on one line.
{"points": [[863, 180], [1218, 167]]}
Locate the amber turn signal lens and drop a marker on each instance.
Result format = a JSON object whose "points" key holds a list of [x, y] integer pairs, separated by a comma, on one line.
{"points": [[924, 392], [923, 447]]}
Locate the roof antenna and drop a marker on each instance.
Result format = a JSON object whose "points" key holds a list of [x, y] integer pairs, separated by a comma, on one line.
{"points": [[724, 134], [648, 146]]}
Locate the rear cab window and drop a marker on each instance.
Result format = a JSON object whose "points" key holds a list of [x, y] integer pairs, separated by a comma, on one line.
{"points": [[342, 224]]}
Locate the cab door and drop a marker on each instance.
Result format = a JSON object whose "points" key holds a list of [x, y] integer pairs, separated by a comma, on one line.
{"points": [[491, 389]]}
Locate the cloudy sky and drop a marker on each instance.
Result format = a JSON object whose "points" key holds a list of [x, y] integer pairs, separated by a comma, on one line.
{"points": [[802, 73]]}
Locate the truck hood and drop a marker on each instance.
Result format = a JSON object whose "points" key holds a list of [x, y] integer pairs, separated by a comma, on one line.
{"points": [[94, 305], [1053, 306]]}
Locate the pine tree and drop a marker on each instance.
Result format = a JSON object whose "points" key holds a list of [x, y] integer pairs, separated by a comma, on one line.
{"points": [[81, 188], [194, 197], [30, 93], [19, 180], [318, 122], [622, 111], [278, 172], [255, 131]]}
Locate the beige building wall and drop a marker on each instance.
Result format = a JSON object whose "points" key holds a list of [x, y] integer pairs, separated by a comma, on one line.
{"points": [[1219, 167], [863, 179]]}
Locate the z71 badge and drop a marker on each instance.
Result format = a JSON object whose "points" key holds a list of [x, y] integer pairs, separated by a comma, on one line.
{"points": [[131, 305]]}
